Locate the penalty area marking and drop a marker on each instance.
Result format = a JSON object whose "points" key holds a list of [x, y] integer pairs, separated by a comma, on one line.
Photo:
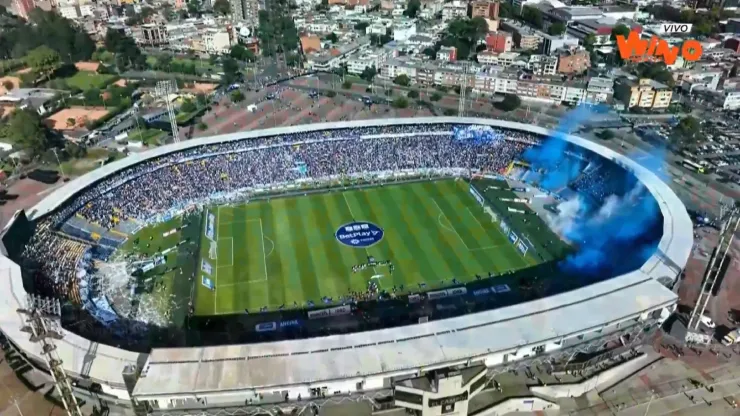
{"points": [[231, 263], [451, 227]]}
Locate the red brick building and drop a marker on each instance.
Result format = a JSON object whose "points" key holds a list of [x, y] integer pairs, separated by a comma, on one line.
{"points": [[499, 42]]}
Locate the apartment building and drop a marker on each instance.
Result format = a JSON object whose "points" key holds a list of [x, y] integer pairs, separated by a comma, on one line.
{"points": [[643, 93], [484, 9], [403, 31], [245, 10], [151, 34], [358, 63], [524, 37], [499, 42], [447, 54], [454, 10], [731, 100], [573, 61], [542, 64]]}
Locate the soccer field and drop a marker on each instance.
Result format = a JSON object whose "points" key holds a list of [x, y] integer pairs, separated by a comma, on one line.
{"points": [[288, 251]]}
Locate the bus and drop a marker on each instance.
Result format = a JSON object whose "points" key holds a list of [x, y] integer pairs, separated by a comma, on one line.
{"points": [[693, 166]]}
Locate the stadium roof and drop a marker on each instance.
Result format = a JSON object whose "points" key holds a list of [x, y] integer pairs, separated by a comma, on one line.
{"points": [[185, 372]]}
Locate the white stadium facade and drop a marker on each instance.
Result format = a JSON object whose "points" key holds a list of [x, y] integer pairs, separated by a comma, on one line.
{"points": [[374, 365]]}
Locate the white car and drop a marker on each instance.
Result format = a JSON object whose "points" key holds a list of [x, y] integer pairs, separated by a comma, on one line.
{"points": [[708, 322]]}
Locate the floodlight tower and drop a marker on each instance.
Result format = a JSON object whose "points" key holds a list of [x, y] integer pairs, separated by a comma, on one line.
{"points": [[41, 321], [730, 223], [463, 90], [164, 89]]}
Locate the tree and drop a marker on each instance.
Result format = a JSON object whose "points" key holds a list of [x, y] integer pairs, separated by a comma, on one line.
{"points": [[201, 99], [128, 54], [222, 7], [19, 37], [510, 103], [430, 52], [347, 85], [687, 131], [25, 128], [332, 37], [369, 73], [402, 80], [436, 96], [231, 71], [400, 102], [237, 96], [533, 16], [606, 135], [360, 27], [556, 29], [43, 60], [413, 94], [202, 126], [276, 29], [589, 41], [188, 106], [92, 95], [620, 30], [240, 53], [331, 94], [449, 112], [412, 8], [379, 40]]}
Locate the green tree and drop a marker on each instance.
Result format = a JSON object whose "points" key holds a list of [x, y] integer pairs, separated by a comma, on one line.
{"points": [[26, 129], [237, 96], [620, 30], [436, 96], [202, 126], [188, 106], [332, 37], [240, 53], [92, 95], [400, 102], [687, 131], [510, 103], [556, 29], [231, 71], [449, 112], [276, 29], [402, 80], [413, 94], [222, 7], [533, 16], [347, 85], [430, 52], [606, 135], [412, 8], [43, 60], [201, 99], [368, 74], [331, 94], [589, 41], [360, 27]]}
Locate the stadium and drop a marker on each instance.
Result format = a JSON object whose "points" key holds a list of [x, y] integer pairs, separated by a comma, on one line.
{"points": [[400, 261]]}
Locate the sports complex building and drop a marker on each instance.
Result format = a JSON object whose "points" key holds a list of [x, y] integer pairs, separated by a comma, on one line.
{"points": [[252, 334]]}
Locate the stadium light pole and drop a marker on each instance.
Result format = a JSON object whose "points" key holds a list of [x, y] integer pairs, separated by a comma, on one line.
{"points": [[59, 163]]}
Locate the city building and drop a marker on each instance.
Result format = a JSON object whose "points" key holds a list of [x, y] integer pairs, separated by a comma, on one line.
{"points": [[551, 43], [542, 64], [524, 37], [573, 61], [23, 8], [484, 9], [217, 40], [599, 90], [441, 392], [731, 100], [244, 10], [499, 42], [643, 93], [403, 31], [455, 9], [310, 43], [447, 54], [600, 29], [151, 34]]}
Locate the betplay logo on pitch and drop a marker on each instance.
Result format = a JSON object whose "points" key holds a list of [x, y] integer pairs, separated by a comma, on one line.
{"points": [[635, 49]]}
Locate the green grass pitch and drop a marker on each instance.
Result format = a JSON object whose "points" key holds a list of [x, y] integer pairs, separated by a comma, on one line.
{"points": [[283, 251]]}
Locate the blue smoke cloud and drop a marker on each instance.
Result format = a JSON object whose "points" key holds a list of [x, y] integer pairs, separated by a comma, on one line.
{"points": [[612, 234]]}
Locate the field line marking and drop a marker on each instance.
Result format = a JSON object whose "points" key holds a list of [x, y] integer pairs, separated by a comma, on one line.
{"points": [[476, 219], [215, 271], [239, 222], [232, 251], [452, 227], [264, 253]]}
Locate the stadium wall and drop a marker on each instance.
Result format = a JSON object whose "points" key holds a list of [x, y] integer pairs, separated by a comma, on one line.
{"points": [[344, 360]]}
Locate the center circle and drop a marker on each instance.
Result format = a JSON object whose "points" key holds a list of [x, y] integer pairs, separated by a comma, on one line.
{"points": [[359, 234]]}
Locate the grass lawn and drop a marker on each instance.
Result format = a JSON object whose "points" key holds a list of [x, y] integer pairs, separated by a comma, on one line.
{"points": [[150, 137], [86, 80], [284, 251], [201, 66], [92, 160]]}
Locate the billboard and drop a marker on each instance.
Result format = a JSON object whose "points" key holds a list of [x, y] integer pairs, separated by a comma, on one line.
{"points": [[207, 282], [522, 247], [513, 237], [325, 313], [505, 227], [211, 226], [478, 197]]}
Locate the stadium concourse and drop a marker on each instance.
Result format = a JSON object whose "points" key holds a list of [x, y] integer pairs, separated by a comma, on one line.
{"points": [[59, 250]]}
